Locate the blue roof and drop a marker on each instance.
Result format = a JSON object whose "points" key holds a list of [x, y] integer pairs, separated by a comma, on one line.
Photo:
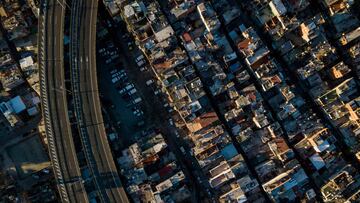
{"points": [[229, 151]]}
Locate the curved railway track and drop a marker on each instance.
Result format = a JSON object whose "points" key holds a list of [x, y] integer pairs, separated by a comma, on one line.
{"points": [[54, 102], [87, 102]]}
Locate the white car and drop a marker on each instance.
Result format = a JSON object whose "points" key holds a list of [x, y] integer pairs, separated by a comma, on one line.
{"points": [[141, 63], [116, 70], [182, 150], [101, 50], [118, 123], [108, 61], [127, 88], [138, 112], [156, 92], [177, 134], [142, 69], [119, 74], [122, 91], [137, 100], [114, 56], [149, 82], [118, 78], [130, 46], [115, 74], [125, 36], [113, 71], [109, 23], [115, 79], [132, 91], [170, 110], [139, 58], [123, 75], [46, 171], [171, 122]]}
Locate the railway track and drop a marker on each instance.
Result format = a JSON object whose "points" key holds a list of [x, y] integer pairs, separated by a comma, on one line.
{"points": [[54, 102], [87, 102]]}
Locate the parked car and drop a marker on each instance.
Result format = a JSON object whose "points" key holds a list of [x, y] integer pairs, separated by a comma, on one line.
{"points": [[127, 88], [130, 46], [118, 123], [143, 68], [125, 36], [138, 112], [156, 92], [101, 50], [141, 63], [112, 71], [134, 101], [182, 150], [132, 91], [108, 61], [149, 82], [171, 122], [140, 123], [115, 79], [118, 74], [139, 58], [115, 56], [137, 100]]}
